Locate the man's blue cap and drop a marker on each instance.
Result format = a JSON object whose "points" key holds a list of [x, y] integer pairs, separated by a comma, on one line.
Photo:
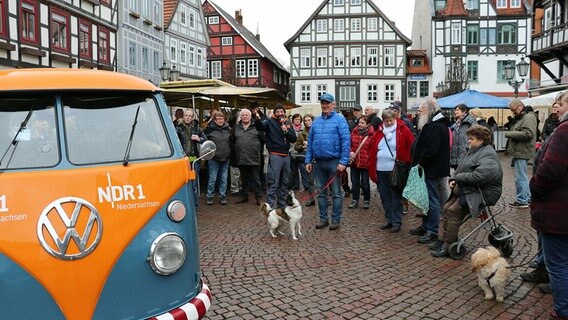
{"points": [[327, 97]]}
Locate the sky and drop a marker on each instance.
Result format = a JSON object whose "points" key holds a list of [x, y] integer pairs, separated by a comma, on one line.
{"points": [[278, 20]]}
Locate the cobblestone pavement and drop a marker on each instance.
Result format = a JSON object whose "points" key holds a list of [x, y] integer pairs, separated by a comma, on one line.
{"points": [[358, 272]]}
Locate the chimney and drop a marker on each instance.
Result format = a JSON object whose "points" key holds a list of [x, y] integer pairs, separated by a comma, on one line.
{"points": [[239, 16], [257, 36]]}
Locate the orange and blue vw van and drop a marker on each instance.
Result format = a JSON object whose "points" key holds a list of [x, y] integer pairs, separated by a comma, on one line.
{"points": [[97, 219]]}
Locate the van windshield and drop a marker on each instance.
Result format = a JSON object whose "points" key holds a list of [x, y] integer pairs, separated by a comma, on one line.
{"points": [[32, 143], [98, 128]]}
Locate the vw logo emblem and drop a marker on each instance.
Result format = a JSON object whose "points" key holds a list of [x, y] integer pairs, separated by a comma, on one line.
{"points": [[67, 219]]}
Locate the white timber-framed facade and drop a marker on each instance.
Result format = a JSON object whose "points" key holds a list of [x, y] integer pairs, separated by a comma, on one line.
{"points": [[350, 49]]}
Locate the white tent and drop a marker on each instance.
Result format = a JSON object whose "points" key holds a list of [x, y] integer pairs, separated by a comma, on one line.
{"points": [[544, 100]]}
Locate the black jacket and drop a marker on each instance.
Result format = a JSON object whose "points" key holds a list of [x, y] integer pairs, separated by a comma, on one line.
{"points": [[246, 145], [276, 139], [431, 149], [222, 138]]}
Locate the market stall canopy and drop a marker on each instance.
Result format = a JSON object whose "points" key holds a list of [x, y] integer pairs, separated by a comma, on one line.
{"points": [[544, 100], [176, 92], [473, 99]]}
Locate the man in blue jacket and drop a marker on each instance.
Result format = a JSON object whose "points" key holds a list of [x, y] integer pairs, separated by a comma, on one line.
{"points": [[279, 135], [329, 143]]}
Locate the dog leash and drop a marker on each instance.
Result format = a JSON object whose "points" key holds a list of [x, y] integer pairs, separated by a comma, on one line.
{"points": [[313, 195]]}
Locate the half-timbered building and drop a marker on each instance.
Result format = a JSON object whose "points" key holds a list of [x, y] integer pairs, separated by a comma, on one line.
{"points": [[237, 56], [474, 40], [141, 38], [186, 38], [64, 34], [350, 49], [419, 77], [550, 45]]}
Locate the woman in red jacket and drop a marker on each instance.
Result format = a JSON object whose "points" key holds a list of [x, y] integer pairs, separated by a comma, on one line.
{"points": [[391, 142], [359, 158]]}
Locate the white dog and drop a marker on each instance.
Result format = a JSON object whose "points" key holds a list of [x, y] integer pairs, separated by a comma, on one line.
{"points": [[492, 272], [291, 214]]}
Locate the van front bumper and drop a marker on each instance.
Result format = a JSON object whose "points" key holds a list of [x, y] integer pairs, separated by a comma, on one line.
{"points": [[195, 309]]}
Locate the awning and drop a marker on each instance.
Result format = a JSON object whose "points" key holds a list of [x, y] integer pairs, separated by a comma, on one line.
{"points": [[473, 99]]}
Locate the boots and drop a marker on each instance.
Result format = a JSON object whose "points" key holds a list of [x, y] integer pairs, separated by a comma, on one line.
{"points": [[436, 245], [538, 275], [545, 288], [442, 252]]}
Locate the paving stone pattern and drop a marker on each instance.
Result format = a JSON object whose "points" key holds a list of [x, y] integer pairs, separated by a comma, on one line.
{"points": [[357, 272]]}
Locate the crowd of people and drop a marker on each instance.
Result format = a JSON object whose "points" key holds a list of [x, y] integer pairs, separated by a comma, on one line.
{"points": [[461, 168]]}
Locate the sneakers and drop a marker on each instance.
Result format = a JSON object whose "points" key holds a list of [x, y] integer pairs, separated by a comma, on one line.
{"points": [[442, 252], [518, 205], [545, 288], [366, 204], [386, 226], [224, 201], [354, 204], [436, 245], [243, 200], [209, 201], [322, 224], [395, 229], [538, 275], [420, 231], [334, 226], [428, 237]]}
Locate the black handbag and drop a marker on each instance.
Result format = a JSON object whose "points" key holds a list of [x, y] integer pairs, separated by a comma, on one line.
{"points": [[399, 175]]}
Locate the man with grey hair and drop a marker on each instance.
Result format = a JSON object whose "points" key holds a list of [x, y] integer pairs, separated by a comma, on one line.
{"points": [[431, 151], [521, 140]]}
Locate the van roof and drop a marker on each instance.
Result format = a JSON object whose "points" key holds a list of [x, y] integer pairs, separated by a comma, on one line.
{"points": [[70, 79]]}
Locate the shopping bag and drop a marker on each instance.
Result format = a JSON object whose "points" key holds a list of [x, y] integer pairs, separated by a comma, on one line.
{"points": [[416, 191]]}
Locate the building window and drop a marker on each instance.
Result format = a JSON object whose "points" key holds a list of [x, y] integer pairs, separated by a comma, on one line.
{"points": [[501, 64], [3, 18], [487, 36], [133, 5], [372, 24], [182, 15], [132, 54], [338, 25], [515, 3], [472, 35], [507, 34], [59, 30], [29, 21], [213, 20], [472, 4], [356, 24], [173, 50], [412, 88], [372, 93], [439, 4], [338, 57], [372, 57], [472, 71], [103, 45], [424, 89], [157, 13], [182, 53], [146, 9], [501, 4], [241, 68], [355, 2], [322, 88], [321, 57], [417, 62], [305, 93], [388, 57], [337, 2], [275, 75], [347, 94], [456, 33], [191, 55], [199, 57], [145, 59], [216, 69], [157, 62], [253, 68], [355, 57], [321, 25], [227, 41], [389, 92], [305, 58], [84, 39], [191, 18]]}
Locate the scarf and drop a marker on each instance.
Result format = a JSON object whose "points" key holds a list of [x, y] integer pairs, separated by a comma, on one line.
{"points": [[363, 131], [297, 128], [389, 132]]}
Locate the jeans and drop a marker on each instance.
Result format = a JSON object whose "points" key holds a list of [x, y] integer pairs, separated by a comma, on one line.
{"points": [[522, 181], [431, 220], [323, 171], [539, 259], [277, 175], [294, 181], [307, 178], [390, 198], [443, 190], [217, 170], [235, 179], [360, 180], [555, 248]]}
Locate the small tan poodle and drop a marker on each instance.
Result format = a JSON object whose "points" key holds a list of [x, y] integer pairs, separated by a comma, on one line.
{"points": [[492, 272]]}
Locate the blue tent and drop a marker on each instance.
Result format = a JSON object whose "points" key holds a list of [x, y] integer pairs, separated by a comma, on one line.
{"points": [[473, 99]]}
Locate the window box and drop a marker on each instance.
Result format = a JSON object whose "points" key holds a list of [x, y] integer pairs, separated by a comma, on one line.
{"points": [[134, 14], [7, 46], [148, 22], [61, 58], [87, 64], [32, 52]]}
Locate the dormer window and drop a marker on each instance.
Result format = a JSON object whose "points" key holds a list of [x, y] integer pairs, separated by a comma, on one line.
{"points": [[501, 4], [515, 3], [417, 62], [440, 4]]}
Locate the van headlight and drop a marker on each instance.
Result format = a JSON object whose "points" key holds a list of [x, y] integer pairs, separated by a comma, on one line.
{"points": [[167, 253], [176, 211]]}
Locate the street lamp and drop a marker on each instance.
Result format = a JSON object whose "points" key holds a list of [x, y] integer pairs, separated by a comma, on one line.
{"points": [[522, 69], [165, 71], [441, 87]]}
